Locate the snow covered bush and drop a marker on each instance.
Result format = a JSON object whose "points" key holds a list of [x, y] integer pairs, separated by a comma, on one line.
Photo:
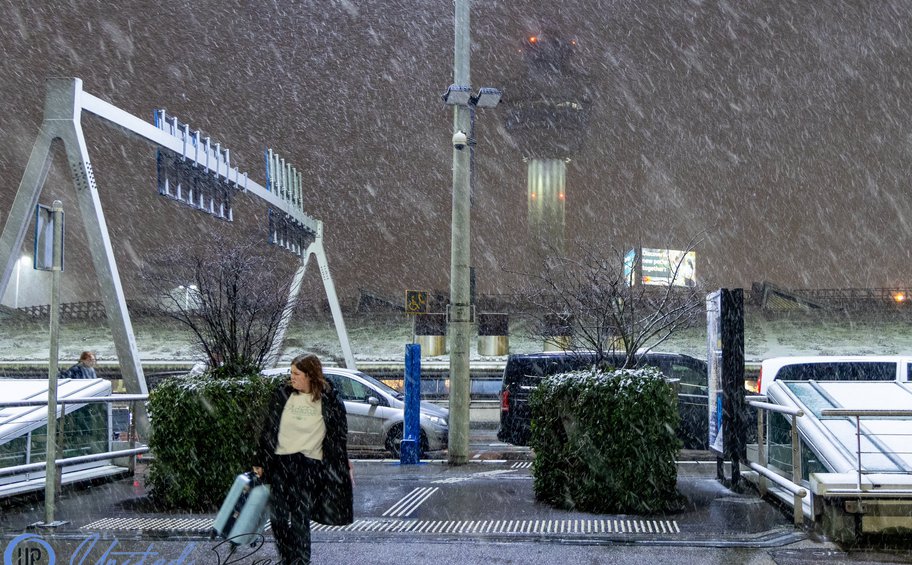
{"points": [[204, 432], [606, 441]]}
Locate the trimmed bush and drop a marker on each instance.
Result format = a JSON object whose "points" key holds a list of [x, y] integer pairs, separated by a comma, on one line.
{"points": [[204, 433], [606, 442]]}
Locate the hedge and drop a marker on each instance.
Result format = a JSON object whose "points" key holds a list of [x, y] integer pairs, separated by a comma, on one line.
{"points": [[204, 433], [606, 442]]}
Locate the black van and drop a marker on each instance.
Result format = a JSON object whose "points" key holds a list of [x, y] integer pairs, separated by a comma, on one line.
{"points": [[523, 373]]}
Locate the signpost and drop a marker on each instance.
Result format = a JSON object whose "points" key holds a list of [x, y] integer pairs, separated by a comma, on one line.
{"points": [[416, 302], [49, 256]]}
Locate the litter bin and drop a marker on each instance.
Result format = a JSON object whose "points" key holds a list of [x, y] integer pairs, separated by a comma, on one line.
{"points": [[430, 333], [557, 331], [493, 334]]}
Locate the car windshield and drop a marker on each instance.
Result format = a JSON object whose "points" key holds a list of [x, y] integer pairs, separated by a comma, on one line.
{"points": [[382, 386]]}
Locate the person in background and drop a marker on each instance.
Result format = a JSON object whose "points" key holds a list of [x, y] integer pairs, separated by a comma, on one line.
{"points": [[84, 369], [302, 456]]}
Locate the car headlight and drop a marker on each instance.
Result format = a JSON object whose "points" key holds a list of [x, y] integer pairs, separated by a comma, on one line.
{"points": [[437, 420]]}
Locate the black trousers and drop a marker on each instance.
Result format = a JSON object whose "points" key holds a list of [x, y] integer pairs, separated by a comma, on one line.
{"points": [[295, 483]]}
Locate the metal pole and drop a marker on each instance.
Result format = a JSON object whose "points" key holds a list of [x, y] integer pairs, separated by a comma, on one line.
{"points": [[460, 258], [50, 479], [18, 271], [761, 446], [131, 429], [858, 446], [796, 472]]}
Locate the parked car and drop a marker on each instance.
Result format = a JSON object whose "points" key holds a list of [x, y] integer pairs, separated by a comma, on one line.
{"points": [[375, 413], [834, 368], [524, 372]]}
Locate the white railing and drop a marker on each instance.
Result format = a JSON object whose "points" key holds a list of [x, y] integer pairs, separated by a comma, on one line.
{"points": [[132, 452], [859, 433], [764, 472]]}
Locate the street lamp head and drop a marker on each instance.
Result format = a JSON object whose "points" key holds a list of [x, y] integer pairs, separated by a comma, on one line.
{"points": [[457, 95], [488, 97]]}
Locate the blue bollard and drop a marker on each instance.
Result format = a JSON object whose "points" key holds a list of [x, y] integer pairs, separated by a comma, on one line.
{"points": [[409, 450]]}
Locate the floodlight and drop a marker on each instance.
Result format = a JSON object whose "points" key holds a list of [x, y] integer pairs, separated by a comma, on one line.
{"points": [[488, 97], [457, 95]]}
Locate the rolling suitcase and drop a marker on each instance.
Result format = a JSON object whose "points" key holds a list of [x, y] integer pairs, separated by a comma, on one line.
{"points": [[244, 513]]}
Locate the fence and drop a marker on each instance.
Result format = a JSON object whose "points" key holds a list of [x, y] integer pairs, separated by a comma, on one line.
{"points": [[882, 449]]}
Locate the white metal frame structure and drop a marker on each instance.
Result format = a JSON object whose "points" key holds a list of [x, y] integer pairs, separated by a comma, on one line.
{"points": [[860, 432], [64, 106]]}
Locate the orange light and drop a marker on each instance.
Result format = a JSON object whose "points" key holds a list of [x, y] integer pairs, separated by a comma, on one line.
{"points": [[572, 42], [533, 39], [561, 196], [532, 196], [899, 297]]}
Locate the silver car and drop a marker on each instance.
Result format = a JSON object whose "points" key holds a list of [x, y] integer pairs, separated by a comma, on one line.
{"points": [[376, 413]]}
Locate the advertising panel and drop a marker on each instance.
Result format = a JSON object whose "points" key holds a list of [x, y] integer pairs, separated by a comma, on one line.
{"points": [[714, 367], [668, 266]]}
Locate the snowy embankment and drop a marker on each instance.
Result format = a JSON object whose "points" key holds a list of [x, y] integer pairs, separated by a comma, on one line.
{"points": [[382, 337]]}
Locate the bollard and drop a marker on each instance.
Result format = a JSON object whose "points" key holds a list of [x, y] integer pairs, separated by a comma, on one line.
{"points": [[410, 447]]}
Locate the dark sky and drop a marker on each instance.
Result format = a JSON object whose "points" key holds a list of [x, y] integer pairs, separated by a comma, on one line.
{"points": [[777, 132]]}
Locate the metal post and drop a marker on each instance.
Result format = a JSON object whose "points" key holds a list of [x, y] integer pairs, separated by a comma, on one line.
{"points": [[858, 445], [460, 319], [761, 446], [796, 471], [131, 429], [50, 478], [18, 272]]}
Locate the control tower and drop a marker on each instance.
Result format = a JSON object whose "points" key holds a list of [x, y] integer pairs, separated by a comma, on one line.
{"points": [[546, 116]]}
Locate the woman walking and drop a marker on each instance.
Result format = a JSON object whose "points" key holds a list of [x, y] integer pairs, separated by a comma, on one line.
{"points": [[302, 456]]}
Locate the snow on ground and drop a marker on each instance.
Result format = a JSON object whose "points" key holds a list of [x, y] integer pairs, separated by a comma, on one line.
{"points": [[382, 337]]}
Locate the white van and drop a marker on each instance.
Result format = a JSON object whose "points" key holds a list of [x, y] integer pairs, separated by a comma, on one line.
{"points": [[835, 368]]}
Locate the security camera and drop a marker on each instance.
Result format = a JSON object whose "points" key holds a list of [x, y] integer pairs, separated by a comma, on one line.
{"points": [[460, 140]]}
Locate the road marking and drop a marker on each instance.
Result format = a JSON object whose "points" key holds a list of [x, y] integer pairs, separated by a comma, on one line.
{"points": [[410, 502], [575, 528], [472, 477]]}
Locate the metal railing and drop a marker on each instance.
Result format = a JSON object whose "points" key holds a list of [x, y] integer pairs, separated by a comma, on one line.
{"points": [[873, 438], [764, 472], [132, 452]]}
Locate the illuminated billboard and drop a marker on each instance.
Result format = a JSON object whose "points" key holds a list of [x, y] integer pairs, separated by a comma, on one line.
{"points": [[661, 267]]}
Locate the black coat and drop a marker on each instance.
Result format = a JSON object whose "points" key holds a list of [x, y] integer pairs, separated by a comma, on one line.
{"points": [[334, 504]]}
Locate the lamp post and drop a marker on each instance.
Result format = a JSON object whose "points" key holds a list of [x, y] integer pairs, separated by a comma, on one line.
{"points": [[459, 312], [187, 290], [22, 261]]}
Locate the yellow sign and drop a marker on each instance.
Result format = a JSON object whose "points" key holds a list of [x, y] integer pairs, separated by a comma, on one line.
{"points": [[416, 302]]}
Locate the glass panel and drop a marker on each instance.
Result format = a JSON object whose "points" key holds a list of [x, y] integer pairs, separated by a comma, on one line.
{"points": [[780, 442], [810, 397], [12, 453]]}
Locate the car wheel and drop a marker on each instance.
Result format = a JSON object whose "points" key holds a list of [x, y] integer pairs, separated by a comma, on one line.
{"points": [[394, 438]]}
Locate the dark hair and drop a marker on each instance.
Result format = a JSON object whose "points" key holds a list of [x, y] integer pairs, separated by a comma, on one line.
{"points": [[85, 355], [310, 365]]}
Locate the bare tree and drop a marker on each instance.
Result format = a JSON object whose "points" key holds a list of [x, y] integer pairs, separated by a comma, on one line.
{"points": [[601, 308], [229, 294]]}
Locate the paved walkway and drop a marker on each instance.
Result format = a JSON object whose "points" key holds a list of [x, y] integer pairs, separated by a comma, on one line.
{"points": [[488, 500]]}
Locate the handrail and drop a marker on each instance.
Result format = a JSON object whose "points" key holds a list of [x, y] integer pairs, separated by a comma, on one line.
{"points": [[788, 485], [867, 413], [798, 492], [79, 400], [73, 460], [777, 408]]}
